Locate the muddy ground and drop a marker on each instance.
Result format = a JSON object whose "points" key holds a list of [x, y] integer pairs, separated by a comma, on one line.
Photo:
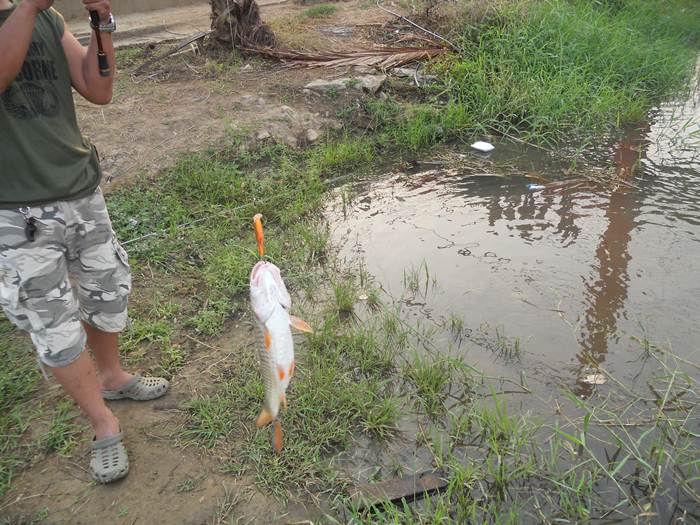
{"points": [[188, 103]]}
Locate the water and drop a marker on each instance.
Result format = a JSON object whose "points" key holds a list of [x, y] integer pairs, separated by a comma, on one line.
{"points": [[574, 271]]}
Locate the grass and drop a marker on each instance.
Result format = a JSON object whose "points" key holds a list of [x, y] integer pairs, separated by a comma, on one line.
{"points": [[19, 382], [555, 72], [319, 11], [340, 388], [559, 69], [546, 71], [618, 455]]}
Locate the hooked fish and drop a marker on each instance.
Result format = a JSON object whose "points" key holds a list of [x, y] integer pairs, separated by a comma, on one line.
{"points": [[271, 303]]}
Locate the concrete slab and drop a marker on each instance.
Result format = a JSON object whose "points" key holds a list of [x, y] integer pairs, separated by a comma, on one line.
{"points": [[75, 8], [173, 23]]}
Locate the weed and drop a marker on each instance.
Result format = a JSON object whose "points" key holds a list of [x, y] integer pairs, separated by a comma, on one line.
{"points": [[431, 377], [319, 11], [346, 295], [62, 433]]}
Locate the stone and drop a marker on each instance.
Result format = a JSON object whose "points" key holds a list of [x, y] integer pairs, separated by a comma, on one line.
{"points": [[264, 135], [369, 83], [312, 135]]}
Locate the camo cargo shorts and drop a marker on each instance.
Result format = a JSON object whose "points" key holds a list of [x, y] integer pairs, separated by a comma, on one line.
{"points": [[74, 270]]}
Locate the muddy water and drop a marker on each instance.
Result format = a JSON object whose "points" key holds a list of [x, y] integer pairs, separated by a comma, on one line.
{"points": [[573, 270]]}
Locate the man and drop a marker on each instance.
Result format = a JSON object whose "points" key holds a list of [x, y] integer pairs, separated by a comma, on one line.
{"points": [[63, 276]]}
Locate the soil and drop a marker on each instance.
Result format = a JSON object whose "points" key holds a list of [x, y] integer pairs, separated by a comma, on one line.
{"points": [[189, 102], [182, 104]]}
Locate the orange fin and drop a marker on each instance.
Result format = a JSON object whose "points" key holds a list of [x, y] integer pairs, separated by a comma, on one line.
{"points": [[291, 368], [263, 419], [300, 324], [268, 340], [283, 398], [277, 437]]}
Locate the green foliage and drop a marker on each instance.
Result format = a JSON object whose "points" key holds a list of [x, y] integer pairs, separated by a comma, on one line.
{"points": [[19, 381], [319, 11], [562, 69]]}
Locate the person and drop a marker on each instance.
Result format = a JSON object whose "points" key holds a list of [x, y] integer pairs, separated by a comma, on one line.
{"points": [[64, 278]]}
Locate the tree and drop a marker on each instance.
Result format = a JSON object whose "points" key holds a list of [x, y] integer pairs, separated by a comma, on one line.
{"points": [[237, 24]]}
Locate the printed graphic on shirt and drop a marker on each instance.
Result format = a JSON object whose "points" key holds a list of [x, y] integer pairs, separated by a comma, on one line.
{"points": [[33, 94]]}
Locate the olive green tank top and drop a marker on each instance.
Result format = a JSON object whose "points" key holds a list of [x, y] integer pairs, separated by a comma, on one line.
{"points": [[43, 155]]}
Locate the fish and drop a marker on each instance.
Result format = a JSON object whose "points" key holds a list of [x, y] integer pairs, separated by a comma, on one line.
{"points": [[271, 304]]}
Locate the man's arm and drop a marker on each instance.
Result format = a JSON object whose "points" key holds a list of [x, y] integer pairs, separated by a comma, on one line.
{"points": [[82, 61], [15, 37]]}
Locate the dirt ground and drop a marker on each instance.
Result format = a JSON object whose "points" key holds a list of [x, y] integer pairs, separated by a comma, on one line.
{"points": [[187, 103]]}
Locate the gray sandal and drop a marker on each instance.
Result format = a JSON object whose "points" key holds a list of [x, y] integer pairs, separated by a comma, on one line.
{"points": [[108, 459], [139, 389]]}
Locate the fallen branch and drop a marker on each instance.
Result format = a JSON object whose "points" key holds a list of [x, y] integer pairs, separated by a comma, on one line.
{"points": [[382, 58], [427, 31], [183, 44]]}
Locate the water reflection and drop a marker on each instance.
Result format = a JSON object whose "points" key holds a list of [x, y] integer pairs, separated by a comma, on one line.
{"points": [[606, 289], [572, 269]]}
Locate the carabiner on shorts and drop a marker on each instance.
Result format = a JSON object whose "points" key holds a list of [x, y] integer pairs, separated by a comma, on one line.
{"points": [[30, 227]]}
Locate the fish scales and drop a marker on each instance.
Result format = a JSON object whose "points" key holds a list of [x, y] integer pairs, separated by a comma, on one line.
{"points": [[271, 303]]}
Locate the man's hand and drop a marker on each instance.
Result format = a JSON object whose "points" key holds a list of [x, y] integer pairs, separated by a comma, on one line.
{"points": [[103, 7], [39, 5]]}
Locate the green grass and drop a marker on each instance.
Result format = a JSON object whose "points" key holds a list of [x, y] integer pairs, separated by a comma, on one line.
{"points": [[558, 70], [555, 72], [613, 456], [19, 381], [431, 377], [319, 11], [341, 388]]}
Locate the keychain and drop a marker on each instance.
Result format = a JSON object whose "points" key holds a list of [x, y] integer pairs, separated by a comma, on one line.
{"points": [[30, 227]]}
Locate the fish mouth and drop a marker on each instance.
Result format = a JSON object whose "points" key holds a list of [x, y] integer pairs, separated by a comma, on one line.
{"points": [[254, 274]]}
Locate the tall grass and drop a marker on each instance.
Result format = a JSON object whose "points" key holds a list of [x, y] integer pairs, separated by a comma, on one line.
{"points": [[556, 70]]}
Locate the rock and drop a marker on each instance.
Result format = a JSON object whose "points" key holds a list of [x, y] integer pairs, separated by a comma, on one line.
{"points": [[372, 83], [403, 72], [263, 135], [336, 30], [364, 70], [312, 135], [369, 83], [411, 73]]}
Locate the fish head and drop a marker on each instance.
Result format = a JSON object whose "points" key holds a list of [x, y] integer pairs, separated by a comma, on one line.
{"points": [[267, 291]]}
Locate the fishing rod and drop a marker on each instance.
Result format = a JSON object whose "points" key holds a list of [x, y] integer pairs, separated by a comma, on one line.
{"points": [[102, 61]]}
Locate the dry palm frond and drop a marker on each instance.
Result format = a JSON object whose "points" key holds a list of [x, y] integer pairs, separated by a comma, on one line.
{"points": [[382, 58]]}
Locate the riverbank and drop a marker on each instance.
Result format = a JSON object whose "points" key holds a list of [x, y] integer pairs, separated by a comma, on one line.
{"points": [[372, 382]]}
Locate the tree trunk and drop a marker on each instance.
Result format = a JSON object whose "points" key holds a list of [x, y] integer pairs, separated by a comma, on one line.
{"points": [[236, 23]]}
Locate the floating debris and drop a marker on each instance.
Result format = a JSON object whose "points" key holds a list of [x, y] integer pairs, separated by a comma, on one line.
{"points": [[484, 147], [534, 187], [595, 379]]}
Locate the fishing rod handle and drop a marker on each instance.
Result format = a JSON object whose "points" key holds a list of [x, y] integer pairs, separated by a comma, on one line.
{"points": [[102, 62]]}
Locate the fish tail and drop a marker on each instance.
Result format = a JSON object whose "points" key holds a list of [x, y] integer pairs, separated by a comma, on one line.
{"points": [[277, 436]]}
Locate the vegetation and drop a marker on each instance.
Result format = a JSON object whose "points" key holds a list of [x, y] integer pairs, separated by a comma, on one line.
{"points": [[545, 71], [558, 70], [319, 11]]}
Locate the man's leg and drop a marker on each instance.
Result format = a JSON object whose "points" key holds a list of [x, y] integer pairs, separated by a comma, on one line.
{"points": [[105, 348], [103, 276], [80, 382]]}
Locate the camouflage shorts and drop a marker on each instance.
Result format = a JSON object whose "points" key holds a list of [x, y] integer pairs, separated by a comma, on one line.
{"points": [[73, 270]]}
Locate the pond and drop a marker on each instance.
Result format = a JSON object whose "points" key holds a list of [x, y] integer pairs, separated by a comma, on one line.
{"points": [[570, 264]]}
